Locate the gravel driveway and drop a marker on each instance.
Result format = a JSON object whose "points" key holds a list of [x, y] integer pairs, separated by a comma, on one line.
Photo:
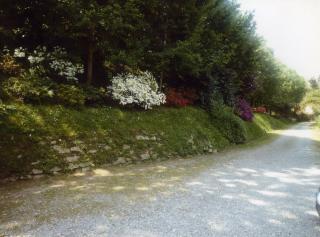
{"points": [[262, 191]]}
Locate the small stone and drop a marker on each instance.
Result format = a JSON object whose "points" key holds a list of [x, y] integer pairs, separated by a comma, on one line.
{"points": [[145, 156], [92, 151], [53, 142], [210, 151], [126, 147], [75, 149], [35, 163], [71, 159], [139, 137], [86, 169], [85, 165], [38, 176], [19, 156], [42, 143], [73, 166], [36, 172], [12, 179], [61, 150], [55, 170], [142, 138], [120, 161], [106, 147]]}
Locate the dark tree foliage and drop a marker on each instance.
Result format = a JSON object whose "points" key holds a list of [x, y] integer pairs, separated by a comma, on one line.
{"points": [[207, 45]]}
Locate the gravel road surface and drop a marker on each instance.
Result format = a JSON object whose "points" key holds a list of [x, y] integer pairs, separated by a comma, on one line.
{"points": [[261, 191]]}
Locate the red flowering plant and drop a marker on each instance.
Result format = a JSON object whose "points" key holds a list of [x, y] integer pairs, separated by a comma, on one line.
{"points": [[243, 109], [181, 97], [260, 109]]}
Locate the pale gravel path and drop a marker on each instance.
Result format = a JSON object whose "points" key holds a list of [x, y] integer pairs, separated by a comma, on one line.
{"points": [[263, 191]]}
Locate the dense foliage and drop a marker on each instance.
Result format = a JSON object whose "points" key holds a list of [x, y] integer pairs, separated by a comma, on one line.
{"points": [[230, 125], [207, 46]]}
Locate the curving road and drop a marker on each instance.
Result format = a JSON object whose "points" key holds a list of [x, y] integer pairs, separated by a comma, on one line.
{"points": [[262, 191]]}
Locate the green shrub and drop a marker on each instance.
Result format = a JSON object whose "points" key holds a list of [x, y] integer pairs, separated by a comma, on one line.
{"points": [[96, 96], [28, 87], [5, 109], [230, 125], [70, 95], [31, 88]]}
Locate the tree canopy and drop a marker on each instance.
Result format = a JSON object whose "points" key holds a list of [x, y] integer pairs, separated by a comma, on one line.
{"points": [[207, 45]]}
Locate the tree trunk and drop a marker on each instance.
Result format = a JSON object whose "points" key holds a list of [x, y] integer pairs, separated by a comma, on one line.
{"points": [[161, 80], [90, 63], [164, 45]]}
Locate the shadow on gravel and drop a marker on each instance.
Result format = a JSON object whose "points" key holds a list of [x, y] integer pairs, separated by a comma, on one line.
{"points": [[30, 203]]}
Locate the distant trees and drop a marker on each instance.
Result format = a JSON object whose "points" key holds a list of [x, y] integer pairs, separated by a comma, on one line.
{"points": [[278, 87], [209, 46], [314, 83], [311, 100], [291, 92]]}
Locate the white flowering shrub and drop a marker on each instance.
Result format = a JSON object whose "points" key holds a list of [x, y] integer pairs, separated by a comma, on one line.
{"points": [[56, 62], [19, 52], [66, 69], [45, 63], [141, 90]]}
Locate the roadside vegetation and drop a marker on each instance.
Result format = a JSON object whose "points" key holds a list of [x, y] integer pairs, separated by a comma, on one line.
{"points": [[310, 105], [59, 139], [90, 82]]}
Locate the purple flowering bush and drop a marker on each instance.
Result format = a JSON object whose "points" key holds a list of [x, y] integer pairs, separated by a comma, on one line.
{"points": [[228, 123], [244, 110]]}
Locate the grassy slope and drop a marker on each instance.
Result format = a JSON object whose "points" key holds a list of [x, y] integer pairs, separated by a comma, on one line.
{"points": [[103, 135], [263, 124]]}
